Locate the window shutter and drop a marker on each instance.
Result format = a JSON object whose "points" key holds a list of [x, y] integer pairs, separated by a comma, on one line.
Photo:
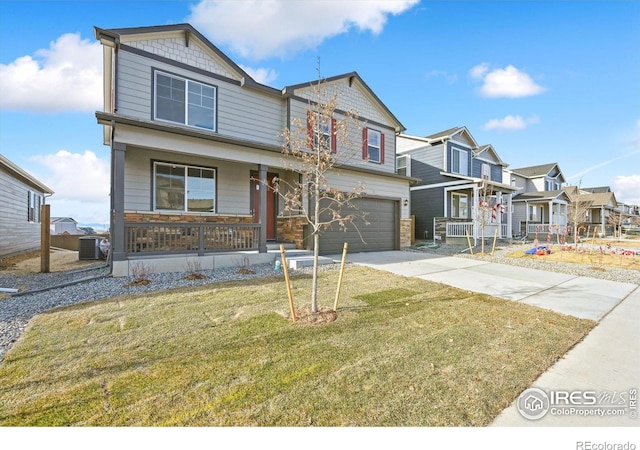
{"points": [[309, 130], [334, 140], [365, 149], [381, 147]]}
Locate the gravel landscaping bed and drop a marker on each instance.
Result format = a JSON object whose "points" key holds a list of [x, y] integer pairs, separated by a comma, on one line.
{"points": [[38, 292]]}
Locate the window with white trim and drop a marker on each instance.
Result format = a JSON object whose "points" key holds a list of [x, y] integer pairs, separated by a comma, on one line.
{"points": [[372, 145], [184, 188], [459, 206], [486, 171], [184, 101], [459, 161], [322, 131], [34, 203], [403, 165]]}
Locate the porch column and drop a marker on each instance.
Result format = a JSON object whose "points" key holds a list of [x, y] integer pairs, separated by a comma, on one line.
{"points": [[509, 216], [475, 214], [118, 249], [263, 208], [550, 214], [602, 224], [499, 213]]}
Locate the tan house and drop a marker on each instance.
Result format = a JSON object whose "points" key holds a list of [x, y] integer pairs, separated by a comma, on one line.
{"points": [[194, 139], [601, 203]]}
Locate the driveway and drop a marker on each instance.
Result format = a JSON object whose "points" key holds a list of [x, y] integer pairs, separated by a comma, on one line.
{"points": [[583, 297], [606, 361]]}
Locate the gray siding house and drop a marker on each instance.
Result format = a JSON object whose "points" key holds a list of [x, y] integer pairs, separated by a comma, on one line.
{"points": [[21, 196], [194, 139], [455, 175], [540, 205]]}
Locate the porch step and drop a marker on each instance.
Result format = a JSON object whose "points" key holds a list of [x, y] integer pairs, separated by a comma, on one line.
{"points": [[276, 246], [298, 262]]}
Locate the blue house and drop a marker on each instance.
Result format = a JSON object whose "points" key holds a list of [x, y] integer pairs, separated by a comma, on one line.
{"points": [[460, 192]]}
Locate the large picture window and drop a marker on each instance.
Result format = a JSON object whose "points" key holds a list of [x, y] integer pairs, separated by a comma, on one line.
{"points": [[459, 161], [184, 188], [184, 101]]}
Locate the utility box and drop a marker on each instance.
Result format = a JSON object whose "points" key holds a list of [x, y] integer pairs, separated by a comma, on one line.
{"points": [[89, 247]]}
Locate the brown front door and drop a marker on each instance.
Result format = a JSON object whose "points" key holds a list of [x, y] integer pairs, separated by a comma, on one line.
{"points": [[271, 203]]}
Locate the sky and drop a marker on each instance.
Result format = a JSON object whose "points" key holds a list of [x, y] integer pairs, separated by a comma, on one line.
{"points": [[542, 82]]}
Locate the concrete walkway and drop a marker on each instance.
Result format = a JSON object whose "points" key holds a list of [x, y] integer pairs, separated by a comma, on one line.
{"points": [[607, 361]]}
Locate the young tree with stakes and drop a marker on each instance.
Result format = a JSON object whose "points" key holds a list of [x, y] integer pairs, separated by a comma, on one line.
{"points": [[314, 147]]}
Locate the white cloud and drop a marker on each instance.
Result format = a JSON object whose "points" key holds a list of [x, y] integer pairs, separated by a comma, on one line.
{"points": [[75, 177], [259, 29], [449, 78], [627, 188], [261, 75], [508, 82], [479, 71], [66, 76], [509, 123]]}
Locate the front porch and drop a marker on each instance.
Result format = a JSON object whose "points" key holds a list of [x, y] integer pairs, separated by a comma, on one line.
{"points": [[455, 231]]}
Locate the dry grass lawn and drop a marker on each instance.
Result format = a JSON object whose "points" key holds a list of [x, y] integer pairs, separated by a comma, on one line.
{"points": [[402, 352]]}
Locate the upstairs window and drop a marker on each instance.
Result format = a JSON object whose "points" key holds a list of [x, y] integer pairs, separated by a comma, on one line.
{"points": [[184, 188], [403, 165], [459, 161], [372, 145], [321, 132], [486, 171], [184, 101]]}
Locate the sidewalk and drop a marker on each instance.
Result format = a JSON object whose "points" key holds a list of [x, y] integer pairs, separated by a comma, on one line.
{"points": [[606, 361]]}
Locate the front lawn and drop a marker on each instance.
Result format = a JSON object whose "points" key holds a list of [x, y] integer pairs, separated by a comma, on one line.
{"points": [[402, 352]]}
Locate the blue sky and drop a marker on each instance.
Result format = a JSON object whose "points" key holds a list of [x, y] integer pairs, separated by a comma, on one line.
{"points": [[540, 81]]}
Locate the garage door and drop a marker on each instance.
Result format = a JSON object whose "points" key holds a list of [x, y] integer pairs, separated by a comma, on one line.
{"points": [[380, 234]]}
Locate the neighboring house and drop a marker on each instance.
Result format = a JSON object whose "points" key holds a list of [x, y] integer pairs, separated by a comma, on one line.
{"points": [[539, 204], [21, 196], [194, 139], [453, 171], [64, 225], [601, 203]]}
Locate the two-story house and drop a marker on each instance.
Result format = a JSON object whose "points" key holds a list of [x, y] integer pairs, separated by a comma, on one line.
{"points": [[21, 196], [540, 204], [599, 204], [460, 191], [195, 141]]}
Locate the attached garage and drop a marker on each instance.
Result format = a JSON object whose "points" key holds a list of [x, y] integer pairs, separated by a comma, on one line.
{"points": [[382, 233]]}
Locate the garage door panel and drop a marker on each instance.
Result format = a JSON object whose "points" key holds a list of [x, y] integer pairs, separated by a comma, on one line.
{"points": [[380, 234]]}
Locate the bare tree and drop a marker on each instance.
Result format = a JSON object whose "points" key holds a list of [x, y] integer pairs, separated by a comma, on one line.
{"points": [[578, 210], [317, 147], [616, 219], [488, 209]]}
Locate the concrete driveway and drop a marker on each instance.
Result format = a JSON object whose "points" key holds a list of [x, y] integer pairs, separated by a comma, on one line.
{"points": [[586, 298], [606, 362]]}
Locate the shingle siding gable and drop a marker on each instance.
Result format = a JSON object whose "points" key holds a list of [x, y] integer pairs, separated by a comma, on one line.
{"points": [[174, 48]]}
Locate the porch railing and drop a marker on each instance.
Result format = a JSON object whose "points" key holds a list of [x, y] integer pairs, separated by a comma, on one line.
{"points": [[199, 238], [543, 228], [459, 229]]}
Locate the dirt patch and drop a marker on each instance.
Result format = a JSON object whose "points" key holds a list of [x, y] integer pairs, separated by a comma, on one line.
{"points": [[60, 261], [307, 317]]}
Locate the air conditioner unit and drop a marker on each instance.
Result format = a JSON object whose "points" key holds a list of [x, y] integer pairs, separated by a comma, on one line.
{"points": [[89, 248]]}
